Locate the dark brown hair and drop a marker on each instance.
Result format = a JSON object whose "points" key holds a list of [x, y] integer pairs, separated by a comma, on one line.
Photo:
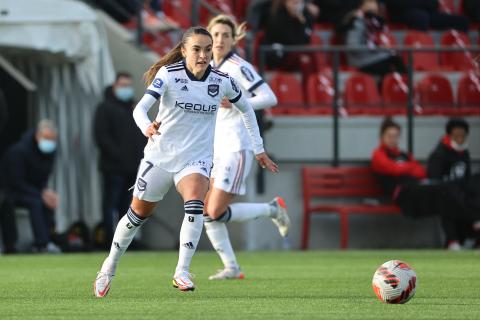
{"points": [[387, 124], [174, 55]]}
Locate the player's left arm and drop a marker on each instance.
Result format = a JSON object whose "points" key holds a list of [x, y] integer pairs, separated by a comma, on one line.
{"points": [[234, 94], [262, 95]]}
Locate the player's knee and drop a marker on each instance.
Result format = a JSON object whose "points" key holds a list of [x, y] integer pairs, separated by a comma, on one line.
{"points": [[214, 212], [143, 211]]}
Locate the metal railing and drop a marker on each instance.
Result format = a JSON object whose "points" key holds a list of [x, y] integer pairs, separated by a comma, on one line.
{"points": [[336, 51]]}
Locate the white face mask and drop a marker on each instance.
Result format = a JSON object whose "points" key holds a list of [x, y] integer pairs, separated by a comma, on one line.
{"points": [[459, 147], [47, 146]]}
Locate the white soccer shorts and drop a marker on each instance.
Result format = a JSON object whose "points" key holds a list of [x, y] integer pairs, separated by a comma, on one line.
{"points": [[153, 182], [230, 171]]}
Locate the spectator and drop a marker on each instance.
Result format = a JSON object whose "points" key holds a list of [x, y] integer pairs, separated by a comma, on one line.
{"points": [[472, 10], [424, 15], [290, 23], [404, 179], [450, 162], [361, 28], [113, 122], [27, 167]]}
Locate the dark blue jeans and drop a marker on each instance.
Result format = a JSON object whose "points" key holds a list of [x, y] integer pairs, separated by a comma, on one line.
{"points": [[116, 200]]}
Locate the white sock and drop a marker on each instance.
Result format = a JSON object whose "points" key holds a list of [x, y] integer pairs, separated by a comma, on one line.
{"points": [[249, 211], [126, 229], [218, 234], [189, 234]]}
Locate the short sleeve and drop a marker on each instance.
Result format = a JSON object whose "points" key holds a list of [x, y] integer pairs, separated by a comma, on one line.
{"points": [[233, 92], [249, 77], [159, 84]]}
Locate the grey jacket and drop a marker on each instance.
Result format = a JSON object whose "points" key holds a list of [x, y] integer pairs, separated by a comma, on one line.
{"points": [[357, 36]]}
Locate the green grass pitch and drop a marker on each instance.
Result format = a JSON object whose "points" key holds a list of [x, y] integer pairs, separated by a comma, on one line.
{"points": [[278, 285]]}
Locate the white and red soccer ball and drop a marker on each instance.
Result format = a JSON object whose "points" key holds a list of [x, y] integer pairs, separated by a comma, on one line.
{"points": [[394, 282]]}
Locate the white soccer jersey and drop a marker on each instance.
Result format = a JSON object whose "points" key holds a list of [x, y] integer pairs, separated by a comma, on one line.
{"points": [[187, 113], [231, 133]]}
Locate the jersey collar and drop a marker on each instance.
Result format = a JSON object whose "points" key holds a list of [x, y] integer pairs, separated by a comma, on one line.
{"points": [[192, 77], [231, 53]]}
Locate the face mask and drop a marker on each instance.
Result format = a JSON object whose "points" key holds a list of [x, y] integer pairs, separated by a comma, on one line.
{"points": [[459, 147], [47, 146], [124, 93]]}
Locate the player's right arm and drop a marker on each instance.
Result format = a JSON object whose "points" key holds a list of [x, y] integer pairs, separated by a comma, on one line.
{"points": [[152, 94]]}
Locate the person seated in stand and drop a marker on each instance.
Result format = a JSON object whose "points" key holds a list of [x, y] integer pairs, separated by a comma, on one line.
{"points": [[405, 180], [361, 28], [424, 15], [26, 167], [450, 163]]}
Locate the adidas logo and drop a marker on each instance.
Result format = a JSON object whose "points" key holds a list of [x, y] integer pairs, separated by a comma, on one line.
{"points": [[188, 245], [117, 245], [184, 88]]}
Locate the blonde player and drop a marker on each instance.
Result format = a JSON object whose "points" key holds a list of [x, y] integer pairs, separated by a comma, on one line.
{"points": [[190, 92], [234, 152]]}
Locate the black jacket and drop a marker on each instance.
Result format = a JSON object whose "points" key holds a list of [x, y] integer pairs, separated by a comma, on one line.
{"points": [[25, 169], [117, 136], [447, 164]]}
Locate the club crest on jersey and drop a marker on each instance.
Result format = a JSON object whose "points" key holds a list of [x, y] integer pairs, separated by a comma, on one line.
{"points": [[157, 83], [141, 184], [234, 85], [213, 90], [247, 73]]}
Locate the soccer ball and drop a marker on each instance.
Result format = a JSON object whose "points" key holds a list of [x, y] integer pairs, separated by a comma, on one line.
{"points": [[394, 282]]}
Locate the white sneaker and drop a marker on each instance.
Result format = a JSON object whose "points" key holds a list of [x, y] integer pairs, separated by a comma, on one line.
{"points": [[102, 283], [454, 246], [183, 281], [227, 274], [52, 248], [281, 219]]}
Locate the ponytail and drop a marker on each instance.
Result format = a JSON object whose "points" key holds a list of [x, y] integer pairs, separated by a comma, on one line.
{"points": [[172, 56]]}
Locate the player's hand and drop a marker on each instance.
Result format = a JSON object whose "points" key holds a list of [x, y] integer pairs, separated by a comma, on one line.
{"points": [[266, 163], [225, 103], [153, 129]]}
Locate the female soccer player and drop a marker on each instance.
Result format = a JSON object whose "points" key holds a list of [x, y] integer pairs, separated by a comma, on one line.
{"points": [[233, 151], [190, 92]]}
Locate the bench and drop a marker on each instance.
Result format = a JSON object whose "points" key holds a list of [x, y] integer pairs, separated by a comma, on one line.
{"points": [[352, 183]]}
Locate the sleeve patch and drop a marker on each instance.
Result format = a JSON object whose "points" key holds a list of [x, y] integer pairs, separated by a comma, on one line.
{"points": [[247, 74], [157, 83]]}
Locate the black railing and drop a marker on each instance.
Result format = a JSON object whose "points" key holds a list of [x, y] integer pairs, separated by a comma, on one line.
{"points": [[336, 51]]}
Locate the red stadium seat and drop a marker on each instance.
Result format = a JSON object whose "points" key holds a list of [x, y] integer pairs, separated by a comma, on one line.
{"points": [[435, 95], [224, 6], [361, 94], [447, 6], [320, 57], [288, 89], [426, 61], [178, 10], [320, 93], [468, 94], [395, 93], [461, 60], [335, 40]]}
